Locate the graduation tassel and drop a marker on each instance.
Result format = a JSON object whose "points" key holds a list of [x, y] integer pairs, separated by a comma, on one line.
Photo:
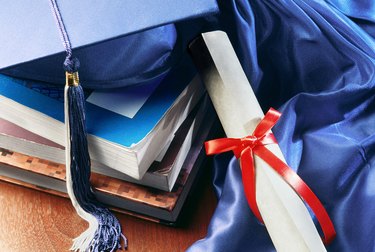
{"points": [[104, 231]]}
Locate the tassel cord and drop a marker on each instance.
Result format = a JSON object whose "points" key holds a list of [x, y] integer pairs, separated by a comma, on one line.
{"points": [[104, 232]]}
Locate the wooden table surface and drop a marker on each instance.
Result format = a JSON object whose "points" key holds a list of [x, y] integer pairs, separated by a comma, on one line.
{"points": [[36, 221]]}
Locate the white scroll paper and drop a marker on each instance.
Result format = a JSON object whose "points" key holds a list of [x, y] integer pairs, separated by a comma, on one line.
{"points": [[285, 215]]}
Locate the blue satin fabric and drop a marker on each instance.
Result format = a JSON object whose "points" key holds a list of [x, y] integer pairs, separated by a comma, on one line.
{"points": [[315, 61]]}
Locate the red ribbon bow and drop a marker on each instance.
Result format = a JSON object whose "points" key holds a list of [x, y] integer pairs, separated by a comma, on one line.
{"points": [[245, 148]]}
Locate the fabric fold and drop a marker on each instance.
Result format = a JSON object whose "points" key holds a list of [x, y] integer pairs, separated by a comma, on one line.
{"points": [[317, 66]]}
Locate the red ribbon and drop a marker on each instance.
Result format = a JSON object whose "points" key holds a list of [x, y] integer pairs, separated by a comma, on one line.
{"points": [[245, 148]]}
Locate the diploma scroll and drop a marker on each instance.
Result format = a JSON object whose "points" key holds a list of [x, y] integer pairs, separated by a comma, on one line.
{"points": [[285, 216]]}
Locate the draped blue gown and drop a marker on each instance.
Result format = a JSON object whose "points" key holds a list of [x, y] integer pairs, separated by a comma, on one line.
{"points": [[314, 61]]}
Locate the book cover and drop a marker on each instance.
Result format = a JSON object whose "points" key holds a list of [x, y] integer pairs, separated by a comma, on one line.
{"points": [[127, 127], [128, 145]]}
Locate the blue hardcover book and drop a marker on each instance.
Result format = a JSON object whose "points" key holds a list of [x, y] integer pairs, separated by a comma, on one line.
{"points": [[127, 127]]}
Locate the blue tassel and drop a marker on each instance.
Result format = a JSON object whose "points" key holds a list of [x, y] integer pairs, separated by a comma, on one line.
{"points": [[104, 234]]}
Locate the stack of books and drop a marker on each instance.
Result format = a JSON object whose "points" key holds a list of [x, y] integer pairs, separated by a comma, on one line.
{"points": [[145, 142]]}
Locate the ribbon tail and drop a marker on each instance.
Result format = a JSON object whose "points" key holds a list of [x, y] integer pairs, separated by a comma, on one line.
{"points": [[269, 120], [302, 189], [249, 182]]}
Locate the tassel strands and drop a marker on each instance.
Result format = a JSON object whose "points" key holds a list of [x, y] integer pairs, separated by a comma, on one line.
{"points": [[104, 232]]}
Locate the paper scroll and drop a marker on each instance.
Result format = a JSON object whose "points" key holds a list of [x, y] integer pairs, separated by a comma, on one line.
{"points": [[285, 215]]}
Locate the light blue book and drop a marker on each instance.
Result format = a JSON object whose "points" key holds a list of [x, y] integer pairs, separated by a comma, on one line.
{"points": [[127, 127]]}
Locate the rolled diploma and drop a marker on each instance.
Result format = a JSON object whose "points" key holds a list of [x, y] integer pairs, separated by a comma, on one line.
{"points": [[285, 216]]}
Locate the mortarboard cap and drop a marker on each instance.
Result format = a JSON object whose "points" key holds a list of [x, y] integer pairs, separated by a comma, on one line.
{"points": [[118, 42]]}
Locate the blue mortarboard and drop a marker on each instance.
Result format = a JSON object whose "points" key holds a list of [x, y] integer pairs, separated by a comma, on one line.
{"points": [[119, 43], [31, 46]]}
